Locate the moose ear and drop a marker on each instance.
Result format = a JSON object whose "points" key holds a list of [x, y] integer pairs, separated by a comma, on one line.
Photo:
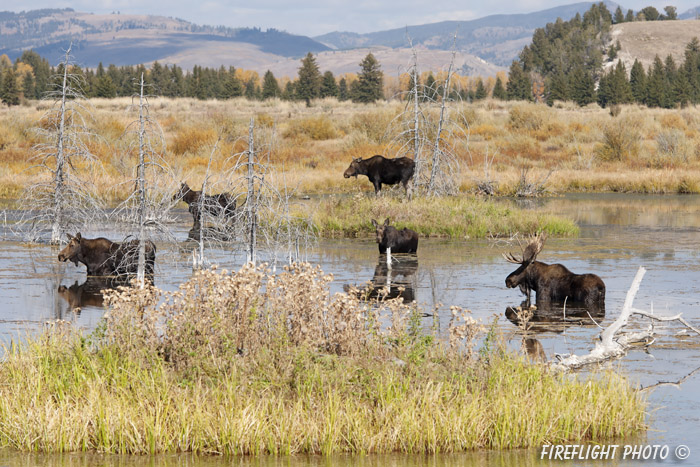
{"points": [[374, 223], [78, 236], [386, 222], [70, 237]]}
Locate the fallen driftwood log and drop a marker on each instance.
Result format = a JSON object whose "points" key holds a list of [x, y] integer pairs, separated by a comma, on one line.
{"points": [[613, 342]]}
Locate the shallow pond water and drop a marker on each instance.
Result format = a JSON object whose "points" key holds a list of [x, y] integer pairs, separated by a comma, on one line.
{"points": [[618, 234]]}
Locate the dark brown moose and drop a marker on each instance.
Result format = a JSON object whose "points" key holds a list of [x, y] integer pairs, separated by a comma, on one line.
{"points": [[553, 282], [107, 258], [216, 205], [381, 170], [400, 241]]}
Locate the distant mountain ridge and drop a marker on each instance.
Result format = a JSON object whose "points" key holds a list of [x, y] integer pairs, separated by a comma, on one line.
{"points": [[496, 38], [114, 38], [484, 46]]}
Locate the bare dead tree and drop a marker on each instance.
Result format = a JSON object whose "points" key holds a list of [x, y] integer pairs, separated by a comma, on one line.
{"points": [[613, 342], [487, 185], [146, 207], [429, 121], [266, 215], [64, 197], [439, 179], [528, 187]]}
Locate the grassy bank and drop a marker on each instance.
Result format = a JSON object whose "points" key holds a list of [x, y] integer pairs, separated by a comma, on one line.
{"points": [[255, 363], [454, 217]]}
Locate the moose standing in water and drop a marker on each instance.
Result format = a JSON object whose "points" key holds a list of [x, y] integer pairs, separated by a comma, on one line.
{"points": [[553, 282], [107, 258], [400, 241], [223, 203], [380, 170]]}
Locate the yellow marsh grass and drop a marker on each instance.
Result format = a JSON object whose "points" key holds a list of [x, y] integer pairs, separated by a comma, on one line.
{"points": [[181, 377], [454, 217], [310, 140]]}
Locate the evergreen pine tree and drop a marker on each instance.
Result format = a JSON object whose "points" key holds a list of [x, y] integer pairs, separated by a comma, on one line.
{"points": [[232, 85], [619, 16], [519, 85], [41, 70], [681, 88], [638, 82], [480, 92], [343, 93], [159, 78], [629, 17], [430, 87], [251, 89], [558, 88], [308, 86], [605, 93], [691, 65], [9, 90], [499, 92], [621, 85], [105, 87], [329, 87], [28, 85], [270, 86], [649, 13], [657, 89], [289, 92], [370, 81], [582, 87], [671, 13]]}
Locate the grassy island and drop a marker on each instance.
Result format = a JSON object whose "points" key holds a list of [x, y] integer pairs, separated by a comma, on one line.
{"points": [[253, 363]]}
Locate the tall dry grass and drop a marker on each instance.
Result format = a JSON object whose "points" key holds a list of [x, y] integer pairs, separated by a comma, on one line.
{"points": [[252, 363], [314, 144]]}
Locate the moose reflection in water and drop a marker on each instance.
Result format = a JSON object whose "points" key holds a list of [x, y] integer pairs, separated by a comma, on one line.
{"points": [[89, 293], [391, 283], [104, 257], [556, 318], [554, 282], [223, 204]]}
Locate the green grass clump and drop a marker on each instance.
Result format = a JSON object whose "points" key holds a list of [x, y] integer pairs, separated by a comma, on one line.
{"points": [[212, 370], [453, 217]]}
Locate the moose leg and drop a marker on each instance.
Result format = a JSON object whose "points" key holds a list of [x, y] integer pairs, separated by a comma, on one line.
{"points": [[377, 187], [408, 189]]}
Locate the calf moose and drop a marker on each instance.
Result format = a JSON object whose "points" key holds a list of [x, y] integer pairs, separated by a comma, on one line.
{"points": [[553, 282], [380, 170], [104, 257], [400, 241], [223, 203]]}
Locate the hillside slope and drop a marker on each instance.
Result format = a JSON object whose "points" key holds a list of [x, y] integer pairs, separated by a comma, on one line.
{"points": [[645, 40], [133, 39]]}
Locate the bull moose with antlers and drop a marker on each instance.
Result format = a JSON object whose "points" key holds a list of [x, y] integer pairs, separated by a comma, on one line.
{"points": [[553, 282]]}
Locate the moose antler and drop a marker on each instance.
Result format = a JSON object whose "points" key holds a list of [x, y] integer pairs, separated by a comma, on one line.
{"points": [[530, 252]]}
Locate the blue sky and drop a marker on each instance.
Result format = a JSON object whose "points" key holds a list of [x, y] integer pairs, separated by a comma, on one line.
{"points": [[315, 17]]}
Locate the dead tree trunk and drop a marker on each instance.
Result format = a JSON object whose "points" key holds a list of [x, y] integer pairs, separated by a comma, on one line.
{"points": [[60, 160], [141, 190], [437, 151], [251, 204], [613, 343]]}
